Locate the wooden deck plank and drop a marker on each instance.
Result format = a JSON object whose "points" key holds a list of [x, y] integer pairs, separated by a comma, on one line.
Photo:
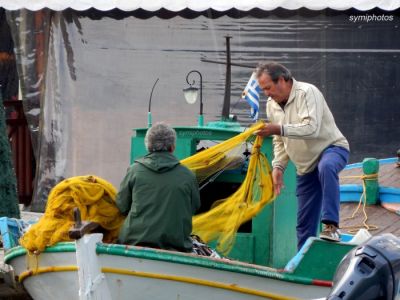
{"points": [[393, 228], [386, 220], [397, 231]]}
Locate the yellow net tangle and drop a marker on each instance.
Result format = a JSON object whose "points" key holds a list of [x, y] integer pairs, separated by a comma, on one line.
{"points": [[95, 199], [222, 156], [223, 220]]}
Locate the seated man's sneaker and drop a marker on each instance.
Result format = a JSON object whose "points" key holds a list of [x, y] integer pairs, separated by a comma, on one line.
{"points": [[330, 233]]}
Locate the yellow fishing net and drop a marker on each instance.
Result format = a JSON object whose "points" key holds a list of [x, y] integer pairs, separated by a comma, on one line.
{"points": [[222, 156], [222, 221], [95, 199]]}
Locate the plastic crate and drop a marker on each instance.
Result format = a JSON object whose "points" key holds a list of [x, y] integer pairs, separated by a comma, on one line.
{"points": [[11, 230]]}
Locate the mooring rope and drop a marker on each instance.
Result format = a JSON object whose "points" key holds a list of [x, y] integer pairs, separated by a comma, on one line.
{"points": [[369, 227]]}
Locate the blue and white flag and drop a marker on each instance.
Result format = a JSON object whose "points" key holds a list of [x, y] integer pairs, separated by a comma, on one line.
{"points": [[251, 94]]}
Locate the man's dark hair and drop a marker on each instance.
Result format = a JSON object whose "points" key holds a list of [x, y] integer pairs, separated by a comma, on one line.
{"points": [[274, 70]]}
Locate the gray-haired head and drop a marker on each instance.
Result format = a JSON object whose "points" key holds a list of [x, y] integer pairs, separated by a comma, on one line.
{"points": [[160, 137], [274, 70]]}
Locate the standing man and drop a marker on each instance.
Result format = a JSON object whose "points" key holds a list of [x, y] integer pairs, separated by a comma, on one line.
{"points": [[305, 132], [159, 196]]}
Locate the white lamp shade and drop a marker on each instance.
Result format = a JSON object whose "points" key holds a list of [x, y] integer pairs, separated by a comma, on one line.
{"points": [[191, 94]]}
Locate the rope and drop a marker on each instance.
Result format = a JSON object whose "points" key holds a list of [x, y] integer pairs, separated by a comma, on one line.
{"points": [[370, 227], [363, 177], [223, 220]]}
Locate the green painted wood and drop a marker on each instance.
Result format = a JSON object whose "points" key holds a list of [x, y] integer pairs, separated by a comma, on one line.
{"points": [[137, 147], [272, 240], [187, 139], [244, 248], [168, 256], [321, 259], [371, 166], [284, 239]]}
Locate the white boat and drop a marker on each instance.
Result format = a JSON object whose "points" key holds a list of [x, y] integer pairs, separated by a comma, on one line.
{"points": [[89, 269], [130, 272]]}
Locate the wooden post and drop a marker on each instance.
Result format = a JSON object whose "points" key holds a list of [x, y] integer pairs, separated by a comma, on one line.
{"points": [[371, 167]]}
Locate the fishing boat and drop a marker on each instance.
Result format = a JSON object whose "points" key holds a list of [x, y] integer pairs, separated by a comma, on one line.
{"points": [[263, 263], [145, 273], [89, 268]]}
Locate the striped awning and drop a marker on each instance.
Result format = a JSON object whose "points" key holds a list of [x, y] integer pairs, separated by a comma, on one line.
{"points": [[199, 5]]}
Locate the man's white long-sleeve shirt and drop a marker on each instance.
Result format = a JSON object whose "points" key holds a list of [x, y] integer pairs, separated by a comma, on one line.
{"points": [[308, 128]]}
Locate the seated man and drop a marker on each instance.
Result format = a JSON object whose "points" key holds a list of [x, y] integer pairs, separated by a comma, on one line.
{"points": [[159, 196]]}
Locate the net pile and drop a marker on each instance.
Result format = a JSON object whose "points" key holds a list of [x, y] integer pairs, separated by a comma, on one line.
{"points": [[222, 221], [95, 198]]}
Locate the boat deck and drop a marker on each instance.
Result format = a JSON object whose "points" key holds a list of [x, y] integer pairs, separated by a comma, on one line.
{"points": [[389, 175], [386, 221]]}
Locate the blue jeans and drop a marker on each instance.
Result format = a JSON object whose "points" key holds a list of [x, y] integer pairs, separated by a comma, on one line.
{"points": [[318, 193]]}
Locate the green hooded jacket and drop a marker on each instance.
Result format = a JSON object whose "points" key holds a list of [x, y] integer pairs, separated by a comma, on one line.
{"points": [[159, 197]]}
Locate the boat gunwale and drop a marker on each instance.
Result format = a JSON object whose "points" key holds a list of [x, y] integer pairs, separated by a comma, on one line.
{"points": [[180, 258], [382, 161]]}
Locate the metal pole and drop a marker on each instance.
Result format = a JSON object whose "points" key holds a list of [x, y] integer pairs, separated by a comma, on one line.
{"points": [[227, 97], [149, 117], [201, 118]]}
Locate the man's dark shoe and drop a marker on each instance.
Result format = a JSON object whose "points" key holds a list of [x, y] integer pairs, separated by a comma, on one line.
{"points": [[330, 233]]}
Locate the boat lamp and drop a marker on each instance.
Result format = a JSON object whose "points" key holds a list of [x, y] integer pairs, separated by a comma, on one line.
{"points": [[191, 94]]}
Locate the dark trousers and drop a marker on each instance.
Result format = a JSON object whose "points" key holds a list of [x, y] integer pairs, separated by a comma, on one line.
{"points": [[318, 193]]}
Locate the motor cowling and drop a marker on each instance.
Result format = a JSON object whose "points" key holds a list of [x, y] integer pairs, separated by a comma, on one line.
{"points": [[370, 271]]}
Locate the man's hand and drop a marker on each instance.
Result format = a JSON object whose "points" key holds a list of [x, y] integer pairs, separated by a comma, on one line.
{"points": [[269, 129], [277, 178]]}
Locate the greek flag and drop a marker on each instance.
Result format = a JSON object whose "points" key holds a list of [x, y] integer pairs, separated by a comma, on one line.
{"points": [[251, 94]]}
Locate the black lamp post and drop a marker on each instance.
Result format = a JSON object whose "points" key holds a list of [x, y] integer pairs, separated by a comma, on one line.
{"points": [[191, 94]]}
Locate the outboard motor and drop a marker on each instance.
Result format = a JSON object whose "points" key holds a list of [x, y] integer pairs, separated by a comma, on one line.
{"points": [[370, 271]]}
